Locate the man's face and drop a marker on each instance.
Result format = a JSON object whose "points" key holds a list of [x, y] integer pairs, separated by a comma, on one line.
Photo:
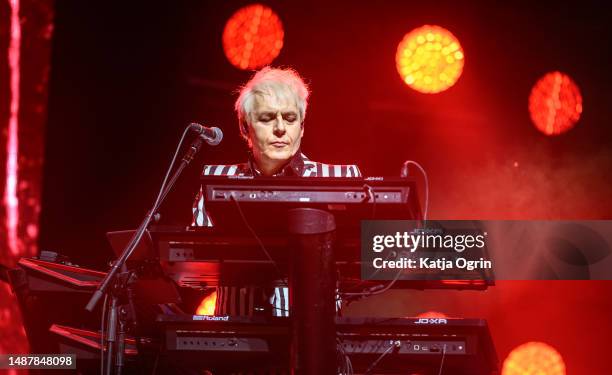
{"points": [[275, 131]]}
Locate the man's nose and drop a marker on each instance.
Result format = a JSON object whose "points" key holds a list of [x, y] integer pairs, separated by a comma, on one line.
{"points": [[279, 125]]}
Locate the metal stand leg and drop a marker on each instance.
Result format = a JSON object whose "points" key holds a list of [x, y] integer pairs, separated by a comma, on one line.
{"points": [[119, 363], [111, 337], [312, 283]]}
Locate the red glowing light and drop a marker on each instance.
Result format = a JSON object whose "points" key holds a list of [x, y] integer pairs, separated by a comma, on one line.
{"points": [[432, 314], [555, 103], [429, 59], [11, 201], [253, 37], [207, 306], [534, 358]]}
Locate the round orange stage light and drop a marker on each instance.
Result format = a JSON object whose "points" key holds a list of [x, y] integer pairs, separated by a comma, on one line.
{"points": [[429, 59], [534, 358], [555, 103], [253, 37]]}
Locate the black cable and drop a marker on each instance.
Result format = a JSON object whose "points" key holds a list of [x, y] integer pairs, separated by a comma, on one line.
{"points": [[405, 171], [372, 197], [340, 360], [348, 365], [154, 370], [377, 289], [261, 245], [394, 344], [442, 361], [356, 286], [370, 191]]}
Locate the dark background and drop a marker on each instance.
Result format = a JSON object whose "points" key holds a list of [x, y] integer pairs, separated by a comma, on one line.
{"points": [[126, 77]]}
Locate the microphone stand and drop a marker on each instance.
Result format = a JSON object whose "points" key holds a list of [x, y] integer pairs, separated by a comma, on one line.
{"points": [[118, 281]]}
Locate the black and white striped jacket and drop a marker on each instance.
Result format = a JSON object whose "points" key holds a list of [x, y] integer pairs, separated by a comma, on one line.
{"points": [[235, 300]]}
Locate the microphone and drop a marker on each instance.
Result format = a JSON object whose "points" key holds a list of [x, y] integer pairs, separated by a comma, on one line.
{"points": [[212, 136]]}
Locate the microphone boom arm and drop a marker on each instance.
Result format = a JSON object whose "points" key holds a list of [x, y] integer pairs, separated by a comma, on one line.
{"points": [[135, 240]]}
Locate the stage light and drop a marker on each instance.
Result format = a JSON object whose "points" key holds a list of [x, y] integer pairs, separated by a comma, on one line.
{"points": [[253, 37], [207, 306], [534, 358], [432, 314], [555, 103], [429, 59]]}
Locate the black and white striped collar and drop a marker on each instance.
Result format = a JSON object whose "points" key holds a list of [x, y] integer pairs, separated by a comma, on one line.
{"points": [[295, 166]]}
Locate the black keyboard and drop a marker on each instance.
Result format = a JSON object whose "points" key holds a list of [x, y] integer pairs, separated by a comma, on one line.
{"points": [[411, 344]]}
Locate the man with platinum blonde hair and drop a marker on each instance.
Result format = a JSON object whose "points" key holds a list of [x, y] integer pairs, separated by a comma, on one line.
{"points": [[285, 84], [271, 109]]}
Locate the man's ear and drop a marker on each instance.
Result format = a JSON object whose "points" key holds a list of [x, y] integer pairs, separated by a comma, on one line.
{"points": [[302, 131], [244, 128], [245, 134]]}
